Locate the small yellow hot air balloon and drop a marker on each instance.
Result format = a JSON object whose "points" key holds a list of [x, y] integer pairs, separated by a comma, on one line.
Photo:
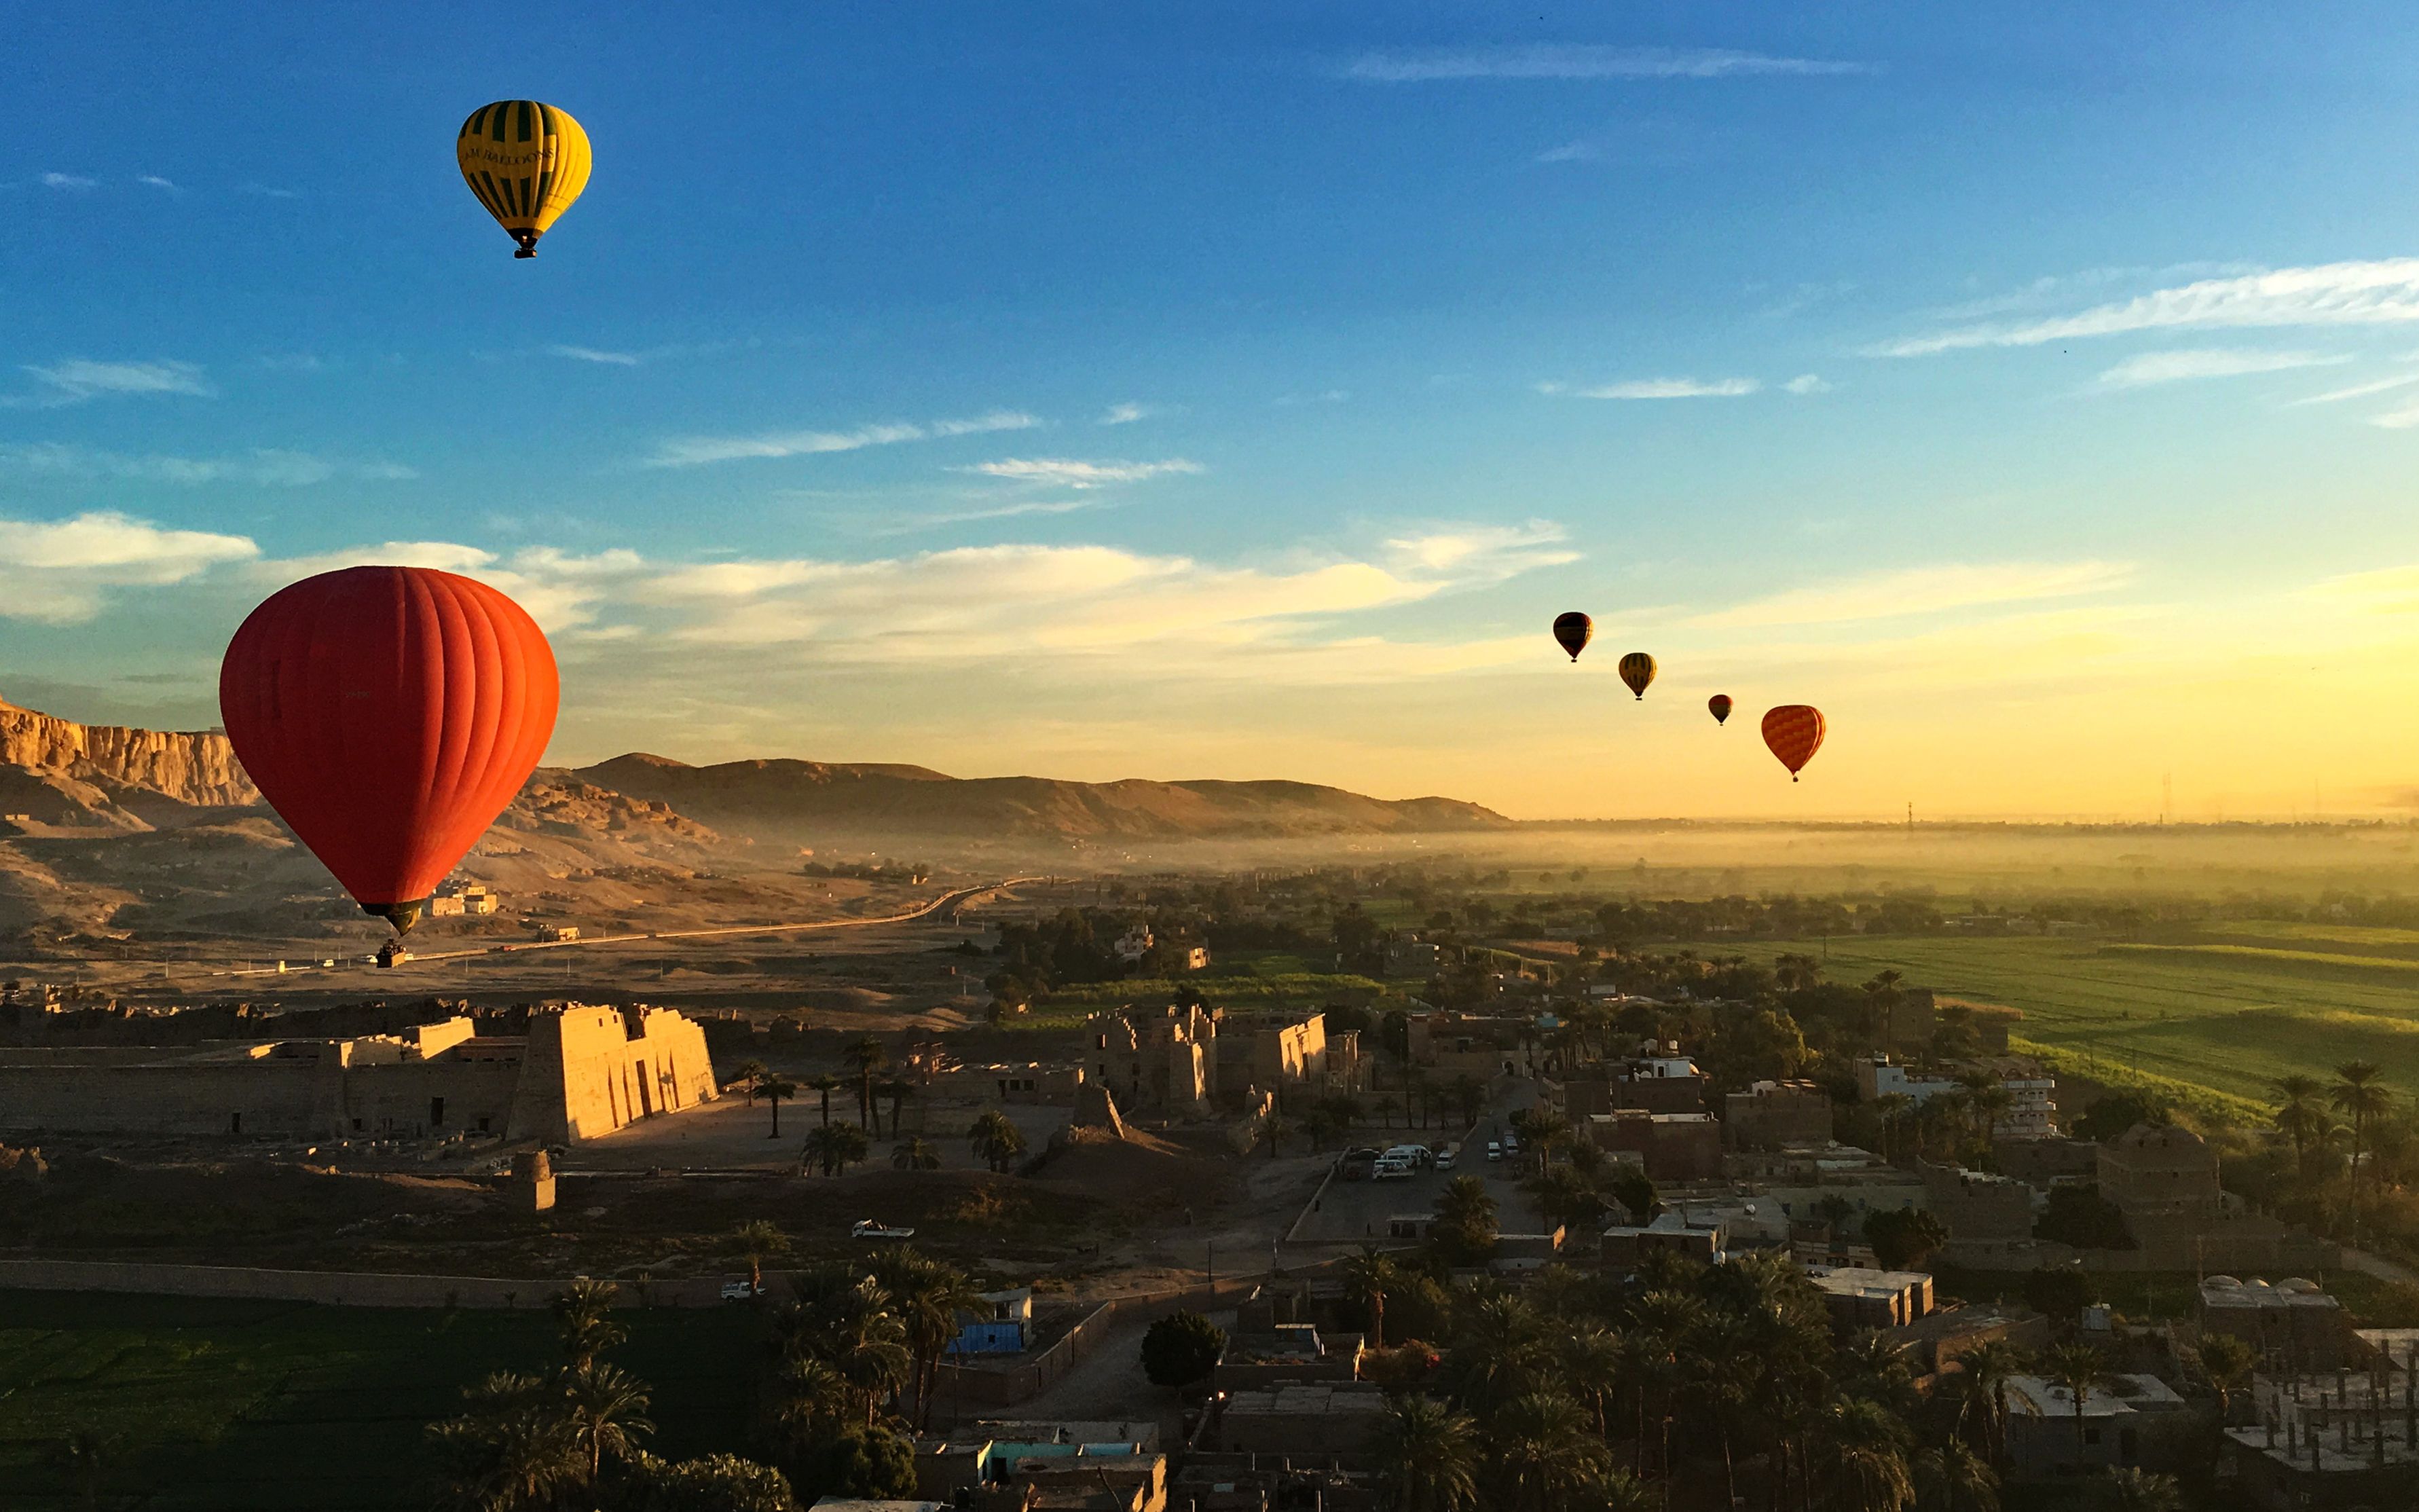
{"points": [[1638, 669], [526, 161]]}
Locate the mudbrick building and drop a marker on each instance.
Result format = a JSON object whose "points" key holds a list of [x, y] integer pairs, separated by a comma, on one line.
{"points": [[579, 1072]]}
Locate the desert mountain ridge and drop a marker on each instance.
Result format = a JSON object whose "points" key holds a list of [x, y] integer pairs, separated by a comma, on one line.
{"points": [[88, 779]]}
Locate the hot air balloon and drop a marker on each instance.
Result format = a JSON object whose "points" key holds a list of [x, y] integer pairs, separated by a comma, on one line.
{"points": [[1721, 705], [526, 161], [1638, 669], [388, 715], [1573, 631], [1795, 732]]}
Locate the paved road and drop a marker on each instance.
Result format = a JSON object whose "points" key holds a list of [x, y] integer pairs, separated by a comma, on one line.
{"points": [[945, 906], [1359, 1210]]}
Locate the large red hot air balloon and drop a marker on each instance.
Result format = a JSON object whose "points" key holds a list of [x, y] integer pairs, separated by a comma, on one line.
{"points": [[388, 714], [1795, 732], [1572, 632], [1720, 705]]}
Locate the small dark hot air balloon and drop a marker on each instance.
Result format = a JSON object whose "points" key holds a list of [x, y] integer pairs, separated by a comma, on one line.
{"points": [[389, 714], [526, 161], [1638, 669], [1721, 705], [1795, 732], [1572, 631]]}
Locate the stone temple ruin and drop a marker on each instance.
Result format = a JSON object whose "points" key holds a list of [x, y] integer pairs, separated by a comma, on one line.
{"points": [[579, 1072]]}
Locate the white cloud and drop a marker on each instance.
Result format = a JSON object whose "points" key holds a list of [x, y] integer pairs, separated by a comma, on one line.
{"points": [[69, 181], [61, 572], [1065, 472], [266, 467], [2401, 419], [1322, 396], [1664, 388], [2384, 292], [698, 450], [590, 354], [1484, 553], [155, 181], [1572, 152], [1126, 414], [266, 191], [2207, 362], [2359, 391], [78, 379], [1571, 61], [1808, 383], [1923, 591], [1037, 506]]}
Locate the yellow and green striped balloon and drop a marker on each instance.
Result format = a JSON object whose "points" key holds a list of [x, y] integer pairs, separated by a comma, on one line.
{"points": [[526, 161]]}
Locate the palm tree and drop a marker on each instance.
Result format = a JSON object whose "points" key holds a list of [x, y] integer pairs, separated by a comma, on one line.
{"points": [[775, 1087], [513, 1447], [608, 1412], [1868, 1453], [915, 1155], [584, 1312], [2227, 1360], [747, 1074], [1273, 1128], [898, 1090], [1953, 1478], [826, 1086], [928, 1298], [1427, 1456], [996, 1139], [756, 1238], [865, 1056], [1544, 1453], [850, 1326], [1592, 1362], [2359, 1093], [1982, 1384], [837, 1147], [2082, 1370], [2299, 1118], [1368, 1277], [2139, 1490]]}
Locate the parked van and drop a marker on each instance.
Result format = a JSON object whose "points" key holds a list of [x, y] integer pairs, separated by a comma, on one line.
{"points": [[1494, 1149], [1393, 1168]]}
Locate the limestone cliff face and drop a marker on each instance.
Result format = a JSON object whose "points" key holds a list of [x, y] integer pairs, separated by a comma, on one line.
{"points": [[198, 768]]}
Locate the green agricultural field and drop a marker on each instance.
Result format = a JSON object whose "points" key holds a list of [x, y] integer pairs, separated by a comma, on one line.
{"points": [[2228, 1012], [241, 1405]]}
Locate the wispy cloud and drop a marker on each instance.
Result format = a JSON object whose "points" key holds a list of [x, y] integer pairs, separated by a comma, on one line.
{"points": [[1126, 414], [1804, 384], [155, 181], [1572, 152], [266, 467], [2207, 362], [2400, 419], [69, 181], [1066, 472], [2359, 391], [1037, 506], [698, 450], [78, 379], [268, 191], [1923, 591], [592, 354], [61, 572], [1661, 387], [1577, 61], [2335, 294], [1483, 553], [1320, 397]]}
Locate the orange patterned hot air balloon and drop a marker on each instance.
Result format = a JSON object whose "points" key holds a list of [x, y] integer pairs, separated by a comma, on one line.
{"points": [[1795, 732], [1572, 632], [1638, 669], [1721, 705]]}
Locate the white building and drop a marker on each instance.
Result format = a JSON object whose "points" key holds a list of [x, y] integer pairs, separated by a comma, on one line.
{"points": [[2032, 1109], [1880, 1077]]}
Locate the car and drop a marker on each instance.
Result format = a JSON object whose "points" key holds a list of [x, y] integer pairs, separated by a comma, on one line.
{"points": [[740, 1291], [875, 1228], [1494, 1149], [1393, 1169], [1444, 1160], [1511, 1144]]}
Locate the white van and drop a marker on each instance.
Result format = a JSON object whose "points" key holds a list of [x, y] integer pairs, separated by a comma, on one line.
{"points": [[1393, 1168]]}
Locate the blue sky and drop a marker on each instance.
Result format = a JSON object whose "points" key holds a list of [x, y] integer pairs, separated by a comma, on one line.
{"points": [[1239, 390]]}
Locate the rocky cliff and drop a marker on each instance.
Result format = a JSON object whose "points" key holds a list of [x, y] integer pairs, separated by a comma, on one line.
{"points": [[195, 768]]}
